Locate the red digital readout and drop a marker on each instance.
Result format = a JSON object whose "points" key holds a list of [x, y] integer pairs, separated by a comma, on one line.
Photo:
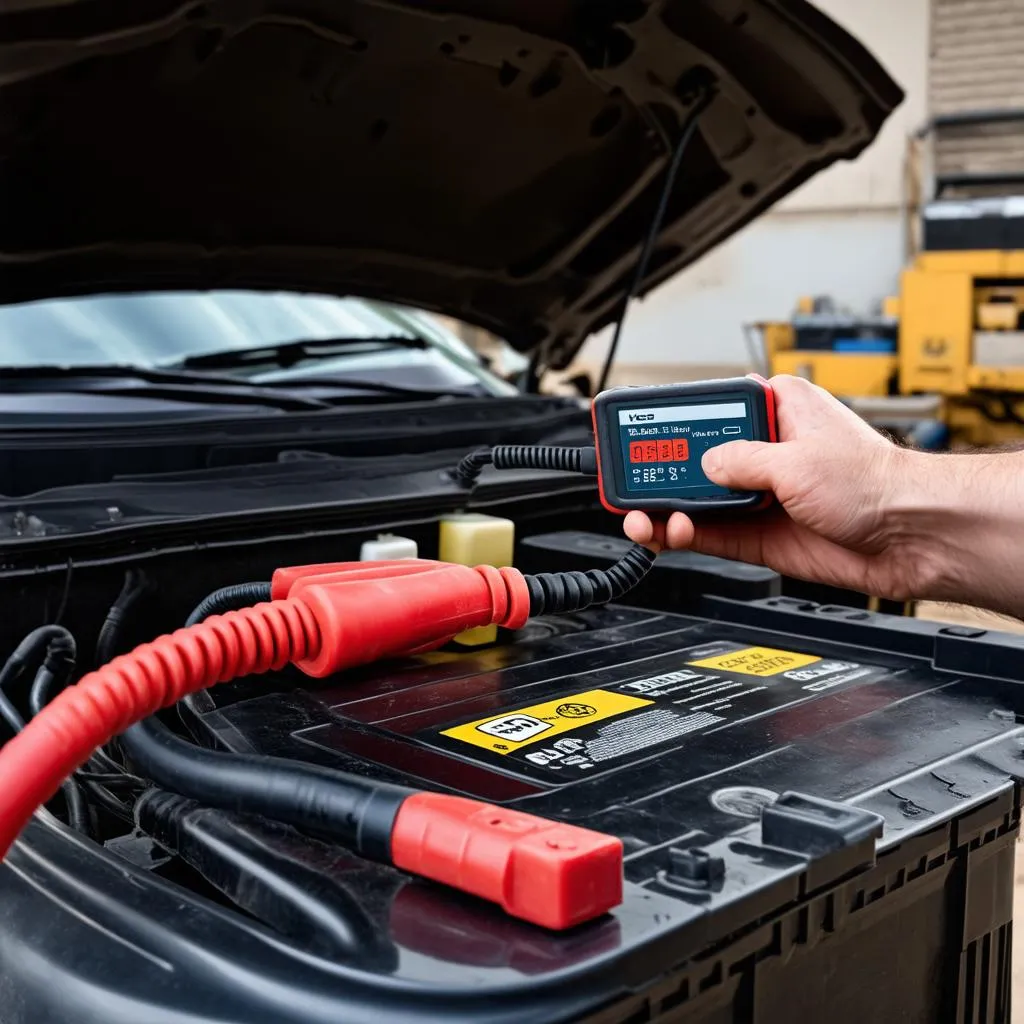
{"points": [[659, 451]]}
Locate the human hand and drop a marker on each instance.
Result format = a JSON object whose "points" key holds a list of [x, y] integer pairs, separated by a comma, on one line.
{"points": [[835, 480]]}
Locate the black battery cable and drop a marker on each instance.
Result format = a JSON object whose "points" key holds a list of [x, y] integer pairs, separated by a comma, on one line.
{"points": [[356, 811]]}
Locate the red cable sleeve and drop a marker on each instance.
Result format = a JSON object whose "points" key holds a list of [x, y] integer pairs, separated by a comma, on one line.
{"points": [[105, 702]]}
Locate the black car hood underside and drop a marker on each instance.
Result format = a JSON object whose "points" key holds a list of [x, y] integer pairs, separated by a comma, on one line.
{"points": [[494, 160]]}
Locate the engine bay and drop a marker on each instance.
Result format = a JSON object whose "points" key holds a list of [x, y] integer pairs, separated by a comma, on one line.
{"points": [[690, 723]]}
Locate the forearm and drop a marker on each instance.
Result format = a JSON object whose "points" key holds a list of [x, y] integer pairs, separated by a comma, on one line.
{"points": [[960, 519]]}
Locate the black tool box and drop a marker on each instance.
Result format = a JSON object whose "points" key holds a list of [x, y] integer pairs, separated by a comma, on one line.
{"points": [[819, 809]]}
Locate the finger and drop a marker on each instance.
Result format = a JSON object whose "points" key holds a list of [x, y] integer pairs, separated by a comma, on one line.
{"points": [[641, 529], [638, 527], [743, 465], [679, 531]]}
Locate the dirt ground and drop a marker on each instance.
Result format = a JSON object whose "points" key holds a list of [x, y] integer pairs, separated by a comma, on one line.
{"points": [[970, 617]]}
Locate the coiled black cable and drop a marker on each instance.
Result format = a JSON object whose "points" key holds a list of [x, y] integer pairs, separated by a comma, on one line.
{"points": [[355, 810], [524, 456], [229, 599], [554, 593]]}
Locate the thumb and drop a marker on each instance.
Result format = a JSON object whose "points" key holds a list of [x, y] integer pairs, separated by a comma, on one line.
{"points": [[742, 465]]}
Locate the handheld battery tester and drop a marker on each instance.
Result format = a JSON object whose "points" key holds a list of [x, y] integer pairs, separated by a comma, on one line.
{"points": [[650, 442]]}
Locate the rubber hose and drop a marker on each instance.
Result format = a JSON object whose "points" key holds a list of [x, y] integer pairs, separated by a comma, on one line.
{"points": [[155, 675], [132, 589], [355, 810], [42, 689], [52, 645], [467, 471], [553, 593], [10, 714], [228, 599], [56, 670], [78, 809]]}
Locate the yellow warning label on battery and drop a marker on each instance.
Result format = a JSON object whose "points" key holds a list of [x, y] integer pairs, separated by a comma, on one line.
{"points": [[514, 730], [757, 661]]}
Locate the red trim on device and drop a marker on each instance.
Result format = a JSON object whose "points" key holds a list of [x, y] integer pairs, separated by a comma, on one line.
{"points": [[542, 871], [773, 432], [600, 479], [769, 403]]}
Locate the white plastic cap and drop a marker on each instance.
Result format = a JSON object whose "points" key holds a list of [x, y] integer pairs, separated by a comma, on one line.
{"points": [[388, 547]]}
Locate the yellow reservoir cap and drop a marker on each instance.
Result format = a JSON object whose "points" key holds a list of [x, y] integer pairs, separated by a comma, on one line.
{"points": [[476, 539]]}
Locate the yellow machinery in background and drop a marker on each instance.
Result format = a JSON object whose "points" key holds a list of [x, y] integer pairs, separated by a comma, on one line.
{"points": [[943, 362], [962, 338]]}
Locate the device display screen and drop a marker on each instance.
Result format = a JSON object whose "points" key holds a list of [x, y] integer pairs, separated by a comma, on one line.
{"points": [[662, 445]]}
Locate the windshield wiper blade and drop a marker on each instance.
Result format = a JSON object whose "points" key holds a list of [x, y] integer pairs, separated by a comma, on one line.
{"points": [[289, 353], [174, 385], [216, 385], [342, 382]]}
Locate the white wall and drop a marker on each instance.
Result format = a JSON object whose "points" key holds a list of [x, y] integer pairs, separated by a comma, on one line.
{"points": [[839, 235]]}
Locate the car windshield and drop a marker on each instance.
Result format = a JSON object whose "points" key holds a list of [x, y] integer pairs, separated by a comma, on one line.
{"points": [[154, 330]]}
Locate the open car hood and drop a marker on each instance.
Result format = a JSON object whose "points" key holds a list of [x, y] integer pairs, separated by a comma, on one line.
{"points": [[498, 161]]}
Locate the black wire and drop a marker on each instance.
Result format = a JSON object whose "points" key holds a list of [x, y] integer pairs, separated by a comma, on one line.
{"points": [[119, 780], [134, 587], [240, 595], [107, 800], [689, 129], [105, 761], [63, 607]]}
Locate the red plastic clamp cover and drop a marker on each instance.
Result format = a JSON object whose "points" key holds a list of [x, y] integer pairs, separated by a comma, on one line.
{"points": [[545, 872], [372, 610]]}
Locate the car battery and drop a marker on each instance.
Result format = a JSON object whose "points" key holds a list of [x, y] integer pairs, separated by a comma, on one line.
{"points": [[819, 809]]}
